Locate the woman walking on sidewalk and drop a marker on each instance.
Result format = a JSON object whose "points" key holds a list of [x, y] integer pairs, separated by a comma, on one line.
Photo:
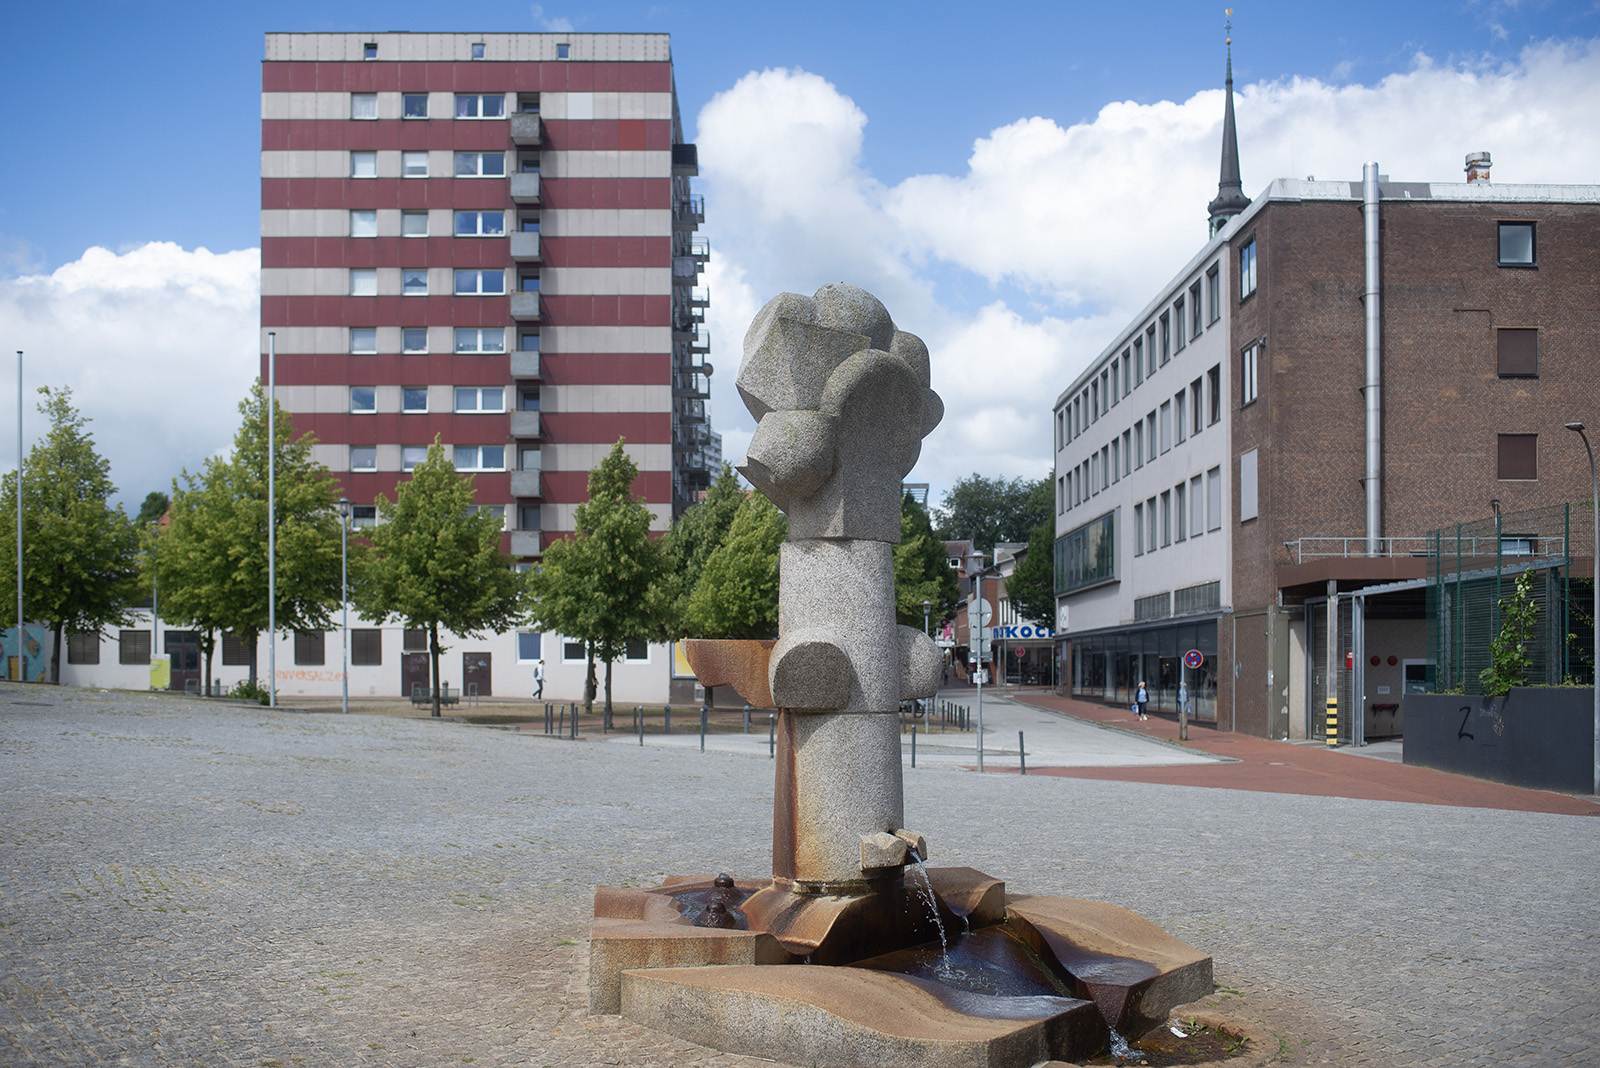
{"points": [[1142, 699]]}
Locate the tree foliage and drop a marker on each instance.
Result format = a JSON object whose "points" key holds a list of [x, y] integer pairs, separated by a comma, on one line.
{"points": [[992, 510], [691, 541], [604, 586], [737, 593], [154, 507], [921, 570], [1509, 659], [80, 556], [434, 561], [211, 561], [1031, 587]]}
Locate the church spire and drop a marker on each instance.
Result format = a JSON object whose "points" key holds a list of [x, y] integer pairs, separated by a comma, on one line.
{"points": [[1230, 193]]}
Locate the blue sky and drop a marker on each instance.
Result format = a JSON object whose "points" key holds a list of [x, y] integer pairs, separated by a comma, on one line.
{"points": [[936, 158]]}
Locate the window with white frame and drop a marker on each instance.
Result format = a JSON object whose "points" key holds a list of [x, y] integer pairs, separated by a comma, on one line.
{"points": [[1177, 318], [413, 224], [1166, 518], [480, 105], [1196, 415], [363, 515], [363, 105], [1179, 512], [496, 510], [1138, 361], [363, 458], [1150, 436], [363, 339], [413, 164], [1150, 541], [1247, 374], [363, 281], [477, 50], [1214, 499], [1150, 351], [480, 399], [480, 165], [471, 283], [480, 339], [1195, 325], [1197, 508], [363, 224], [414, 281], [369, 50], [1247, 268], [480, 457], [412, 455], [563, 51], [1127, 453], [363, 164], [529, 646], [363, 399], [1116, 459], [1166, 425], [480, 223], [1127, 371], [413, 105], [414, 339], [1178, 420], [414, 398], [1214, 383], [1138, 530], [1214, 293], [1138, 444]]}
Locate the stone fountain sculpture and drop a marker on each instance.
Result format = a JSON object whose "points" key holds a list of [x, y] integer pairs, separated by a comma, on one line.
{"points": [[836, 961]]}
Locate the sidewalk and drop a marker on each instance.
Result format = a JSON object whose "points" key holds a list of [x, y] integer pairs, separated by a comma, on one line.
{"points": [[1306, 768]]}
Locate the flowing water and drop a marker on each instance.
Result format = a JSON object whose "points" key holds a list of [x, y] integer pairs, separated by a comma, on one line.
{"points": [[933, 907]]}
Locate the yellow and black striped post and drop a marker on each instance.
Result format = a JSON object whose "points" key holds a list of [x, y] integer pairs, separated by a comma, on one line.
{"points": [[1333, 721]]}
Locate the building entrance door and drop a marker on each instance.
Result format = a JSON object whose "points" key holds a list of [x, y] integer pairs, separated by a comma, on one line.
{"points": [[183, 646], [475, 674]]}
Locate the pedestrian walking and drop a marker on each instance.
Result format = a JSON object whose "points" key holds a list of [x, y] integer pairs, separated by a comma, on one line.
{"points": [[538, 680], [1142, 700]]}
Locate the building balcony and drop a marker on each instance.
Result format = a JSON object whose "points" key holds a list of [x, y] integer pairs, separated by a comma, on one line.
{"points": [[526, 543], [688, 213], [525, 424], [525, 306], [525, 363], [527, 483], [526, 129], [525, 188], [524, 246], [685, 161]]}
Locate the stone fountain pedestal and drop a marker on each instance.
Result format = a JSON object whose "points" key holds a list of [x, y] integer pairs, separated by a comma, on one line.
{"points": [[840, 959]]}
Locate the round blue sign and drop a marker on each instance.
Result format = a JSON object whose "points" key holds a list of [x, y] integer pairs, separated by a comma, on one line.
{"points": [[1193, 659]]}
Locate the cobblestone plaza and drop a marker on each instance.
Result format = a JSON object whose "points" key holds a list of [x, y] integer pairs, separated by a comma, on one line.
{"points": [[194, 884]]}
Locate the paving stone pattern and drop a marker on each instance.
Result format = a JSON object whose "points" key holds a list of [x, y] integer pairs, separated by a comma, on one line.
{"points": [[192, 884]]}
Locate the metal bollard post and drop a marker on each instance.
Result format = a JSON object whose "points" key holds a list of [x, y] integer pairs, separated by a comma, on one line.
{"points": [[638, 721], [573, 721], [772, 735], [1333, 720], [704, 711], [913, 745], [561, 723], [666, 713], [1022, 753], [747, 717]]}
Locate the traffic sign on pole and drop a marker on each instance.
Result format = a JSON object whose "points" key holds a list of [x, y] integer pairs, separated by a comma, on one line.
{"points": [[1193, 659]]}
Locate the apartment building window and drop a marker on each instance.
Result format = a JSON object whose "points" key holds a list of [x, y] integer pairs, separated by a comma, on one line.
{"points": [[472, 283], [480, 105], [363, 281], [83, 648], [413, 164], [528, 517], [1518, 457], [1094, 401], [528, 163], [309, 648], [1150, 351], [366, 647], [363, 164], [363, 224], [414, 282], [1517, 352], [363, 515], [1178, 420], [1177, 318], [1214, 380], [1116, 459], [528, 341], [1214, 499], [1195, 325], [413, 224], [1105, 466], [413, 339], [480, 339], [477, 50], [528, 282], [1138, 529], [1150, 525], [1087, 555], [480, 165], [1247, 268], [363, 339], [1150, 435], [480, 223], [413, 105], [1247, 374], [1127, 461], [1166, 518], [1213, 294], [363, 399], [528, 223], [563, 51], [363, 105], [412, 455], [1138, 361], [369, 50], [363, 457], [1111, 377], [235, 653], [1166, 425], [1197, 508], [528, 103], [1127, 365], [1195, 414], [529, 458], [1179, 512], [414, 399], [1518, 245], [1166, 338], [1138, 444], [1061, 494], [480, 457], [480, 399], [133, 647], [529, 645]]}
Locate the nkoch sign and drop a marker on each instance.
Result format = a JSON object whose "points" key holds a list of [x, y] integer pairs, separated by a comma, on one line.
{"points": [[1022, 632]]}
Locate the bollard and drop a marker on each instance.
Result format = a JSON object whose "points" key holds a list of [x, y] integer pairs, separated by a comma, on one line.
{"points": [[572, 721], [638, 721], [913, 745], [547, 723], [1022, 753], [666, 713], [704, 711], [1333, 721], [747, 717], [561, 723], [772, 735]]}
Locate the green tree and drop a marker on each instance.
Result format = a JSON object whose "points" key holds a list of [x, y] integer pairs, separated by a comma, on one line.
{"points": [[737, 595], [435, 561], [693, 538], [605, 585], [921, 569], [212, 560], [154, 507], [80, 556], [1031, 587], [991, 510], [1509, 659]]}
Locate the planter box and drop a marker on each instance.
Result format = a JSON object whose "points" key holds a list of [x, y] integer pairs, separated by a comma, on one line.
{"points": [[1539, 737]]}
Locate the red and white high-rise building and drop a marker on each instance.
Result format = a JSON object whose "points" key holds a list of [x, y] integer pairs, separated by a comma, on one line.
{"points": [[488, 239]]}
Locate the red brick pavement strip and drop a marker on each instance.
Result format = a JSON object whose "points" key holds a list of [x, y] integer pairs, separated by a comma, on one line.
{"points": [[1288, 768]]}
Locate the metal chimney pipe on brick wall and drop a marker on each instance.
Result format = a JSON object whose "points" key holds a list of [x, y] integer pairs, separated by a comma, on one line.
{"points": [[1477, 167], [1374, 468]]}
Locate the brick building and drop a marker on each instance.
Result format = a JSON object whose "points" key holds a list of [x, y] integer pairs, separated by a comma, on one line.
{"points": [[1342, 368]]}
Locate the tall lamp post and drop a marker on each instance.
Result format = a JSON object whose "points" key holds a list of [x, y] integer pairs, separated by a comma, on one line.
{"points": [[272, 518], [975, 642], [1594, 567], [344, 601], [22, 656], [927, 606]]}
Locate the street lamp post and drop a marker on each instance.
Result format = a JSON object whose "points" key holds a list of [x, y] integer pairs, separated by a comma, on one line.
{"points": [[22, 664], [344, 601], [927, 606], [975, 642], [272, 518], [1594, 568]]}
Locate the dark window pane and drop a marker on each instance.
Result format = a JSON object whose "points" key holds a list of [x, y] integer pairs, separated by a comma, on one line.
{"points": [[366, 646], [235, 653], [83, 648], [1519, 456], [308, 648], [1516, 244], [414, 641], [1517, 353], [133, 647]]}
